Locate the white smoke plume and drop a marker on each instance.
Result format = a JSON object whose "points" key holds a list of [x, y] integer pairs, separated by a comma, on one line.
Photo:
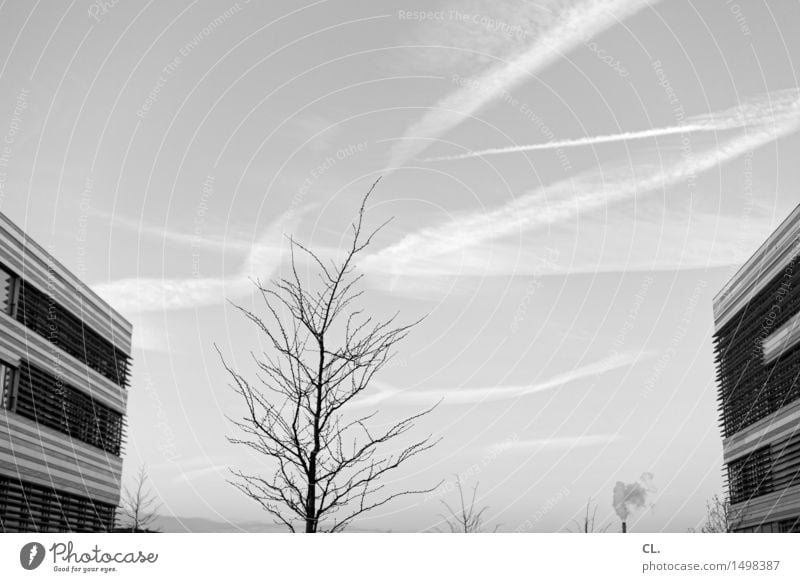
{"points": [[629, 497]]}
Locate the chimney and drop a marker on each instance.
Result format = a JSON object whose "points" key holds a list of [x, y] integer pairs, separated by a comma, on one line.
{"points": [[624, 527]]}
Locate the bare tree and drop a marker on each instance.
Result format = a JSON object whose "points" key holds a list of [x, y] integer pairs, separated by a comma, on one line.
{"points": [[138, 507], [466, 518], [720, 518], [588, 524], [328, 461]]}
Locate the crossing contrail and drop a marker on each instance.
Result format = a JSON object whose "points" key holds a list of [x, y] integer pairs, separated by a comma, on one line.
{"points": [[584, 141], [580, 21], [561, 202], [766, 109]]}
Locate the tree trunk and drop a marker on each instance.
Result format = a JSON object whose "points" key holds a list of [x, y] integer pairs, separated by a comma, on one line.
{"points": [[311, 510]]}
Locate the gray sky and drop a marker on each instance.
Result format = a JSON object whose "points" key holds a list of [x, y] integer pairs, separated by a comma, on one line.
{"points": [[162, 150]]}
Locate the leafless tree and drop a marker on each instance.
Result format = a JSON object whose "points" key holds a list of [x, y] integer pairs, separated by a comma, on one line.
{"points": [[588, 524], [328, 459], [466, 518], [720, 518], [139, 506]]}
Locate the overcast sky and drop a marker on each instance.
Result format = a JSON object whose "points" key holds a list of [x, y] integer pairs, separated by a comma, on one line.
{"points": [[571, 181]]}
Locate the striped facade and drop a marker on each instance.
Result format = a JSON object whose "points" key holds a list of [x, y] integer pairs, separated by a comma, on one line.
{"points": [[757, 345], [64, 366]]}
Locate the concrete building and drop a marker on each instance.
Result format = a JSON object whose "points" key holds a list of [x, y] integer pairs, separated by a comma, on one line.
{"points": [[64, 363], [757, 344]]}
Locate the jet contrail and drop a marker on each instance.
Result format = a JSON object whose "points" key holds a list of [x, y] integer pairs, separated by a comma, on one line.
{"points": [[578, 23], [447, 396], [766, 109], [553, 443], [583, 141], [561, 202], [140, 294]]}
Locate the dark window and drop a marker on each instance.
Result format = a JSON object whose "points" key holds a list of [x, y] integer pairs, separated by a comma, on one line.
{"points": [[749, 387], [750, 476], [791, 525], [8, 286], [47, 400], [786, 462], [7, 385], [38, 312], [25, 507]]}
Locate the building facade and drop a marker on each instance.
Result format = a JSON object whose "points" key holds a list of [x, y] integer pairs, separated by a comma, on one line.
{"points": [[64, 366], [757, 345]]}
